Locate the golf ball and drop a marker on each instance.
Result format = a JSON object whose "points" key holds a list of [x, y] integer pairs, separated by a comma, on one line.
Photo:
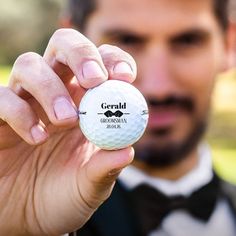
{"points": [[113, 115]]}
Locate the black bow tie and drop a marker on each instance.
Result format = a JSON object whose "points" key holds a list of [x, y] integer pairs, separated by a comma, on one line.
{"points": [[152, 206]]}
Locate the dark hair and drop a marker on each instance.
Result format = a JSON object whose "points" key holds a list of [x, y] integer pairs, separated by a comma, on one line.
{"points": [[232, 10], [222, 12], [79, 11]]}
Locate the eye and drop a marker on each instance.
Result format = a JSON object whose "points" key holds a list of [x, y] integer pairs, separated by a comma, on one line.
{"points": [[189, 40], [128, 39]]}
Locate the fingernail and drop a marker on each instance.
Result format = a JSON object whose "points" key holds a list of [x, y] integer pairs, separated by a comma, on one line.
{"points": [[123, 68], [38, 133], [91, 70], [63, 109]]}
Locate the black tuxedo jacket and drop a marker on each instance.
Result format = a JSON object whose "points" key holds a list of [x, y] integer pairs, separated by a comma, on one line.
{"points": [[116, 217]]}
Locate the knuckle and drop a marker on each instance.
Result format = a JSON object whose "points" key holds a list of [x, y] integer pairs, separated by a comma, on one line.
{"points": [[67, 35], [27, 60], [29, 63], [13, 108], [85, 49], [21, 108], [74, 42], [59, 33], [115, 53], [107, 49], [47, 84]]}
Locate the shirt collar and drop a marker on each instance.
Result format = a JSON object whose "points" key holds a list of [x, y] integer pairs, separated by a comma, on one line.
{"points": [[187, 184]]}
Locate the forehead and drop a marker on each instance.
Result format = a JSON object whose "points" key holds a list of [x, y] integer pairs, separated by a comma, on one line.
{"points": [[162, 15]]}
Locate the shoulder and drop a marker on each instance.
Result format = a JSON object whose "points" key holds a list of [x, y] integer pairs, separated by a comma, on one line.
{"points": [[229, 190]]}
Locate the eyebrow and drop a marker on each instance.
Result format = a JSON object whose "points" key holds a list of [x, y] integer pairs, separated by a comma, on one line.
{"points": [[114, 33]]}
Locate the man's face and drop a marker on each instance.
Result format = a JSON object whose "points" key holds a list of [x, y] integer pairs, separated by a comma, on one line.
{"points": [[179, 48]]}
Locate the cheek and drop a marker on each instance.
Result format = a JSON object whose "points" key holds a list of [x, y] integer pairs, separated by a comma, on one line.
{"points": [[197, 76]]}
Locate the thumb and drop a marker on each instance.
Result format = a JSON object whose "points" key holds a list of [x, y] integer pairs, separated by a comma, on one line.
{"points": [[98, 176]]}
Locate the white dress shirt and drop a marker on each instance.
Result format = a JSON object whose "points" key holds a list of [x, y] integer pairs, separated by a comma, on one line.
{"points": [[180, 222]]}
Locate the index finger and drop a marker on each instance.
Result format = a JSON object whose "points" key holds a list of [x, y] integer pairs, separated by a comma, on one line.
{"points": [[68, 47]]}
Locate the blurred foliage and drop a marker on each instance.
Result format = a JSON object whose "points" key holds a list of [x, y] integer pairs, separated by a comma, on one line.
{"points": [[26, 25], [4, 74], [222, 129], [224, 160]]}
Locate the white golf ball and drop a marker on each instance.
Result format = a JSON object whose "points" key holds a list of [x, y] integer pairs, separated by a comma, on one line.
{"points": [[113, 115]]}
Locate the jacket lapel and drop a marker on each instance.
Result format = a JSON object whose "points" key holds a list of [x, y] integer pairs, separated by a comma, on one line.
{"points": [[229, 191], [115, 217]]}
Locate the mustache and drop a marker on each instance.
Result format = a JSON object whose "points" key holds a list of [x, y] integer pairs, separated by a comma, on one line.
{"points": [[185, 103]]}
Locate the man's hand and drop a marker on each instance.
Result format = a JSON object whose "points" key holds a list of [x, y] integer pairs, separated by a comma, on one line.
{"points": [[51, 178]]}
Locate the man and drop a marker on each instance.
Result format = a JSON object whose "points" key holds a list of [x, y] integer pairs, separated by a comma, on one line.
{"points": [[177, 50], [55, 186]]}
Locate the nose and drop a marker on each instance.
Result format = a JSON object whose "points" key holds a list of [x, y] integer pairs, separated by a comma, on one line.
{"points": [[155, 73]]}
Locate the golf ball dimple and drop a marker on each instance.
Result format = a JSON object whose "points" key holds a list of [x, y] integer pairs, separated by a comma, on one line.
{"points": [[113, 115]]}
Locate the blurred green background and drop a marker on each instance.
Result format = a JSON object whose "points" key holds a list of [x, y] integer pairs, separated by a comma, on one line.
{"points": [[26, 25]]}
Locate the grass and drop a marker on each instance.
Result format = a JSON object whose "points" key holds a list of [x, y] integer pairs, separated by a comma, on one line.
{"points": [[222, 130]]}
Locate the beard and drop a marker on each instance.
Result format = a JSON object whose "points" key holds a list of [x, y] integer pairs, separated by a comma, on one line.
{"points": [[170, 153]]}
